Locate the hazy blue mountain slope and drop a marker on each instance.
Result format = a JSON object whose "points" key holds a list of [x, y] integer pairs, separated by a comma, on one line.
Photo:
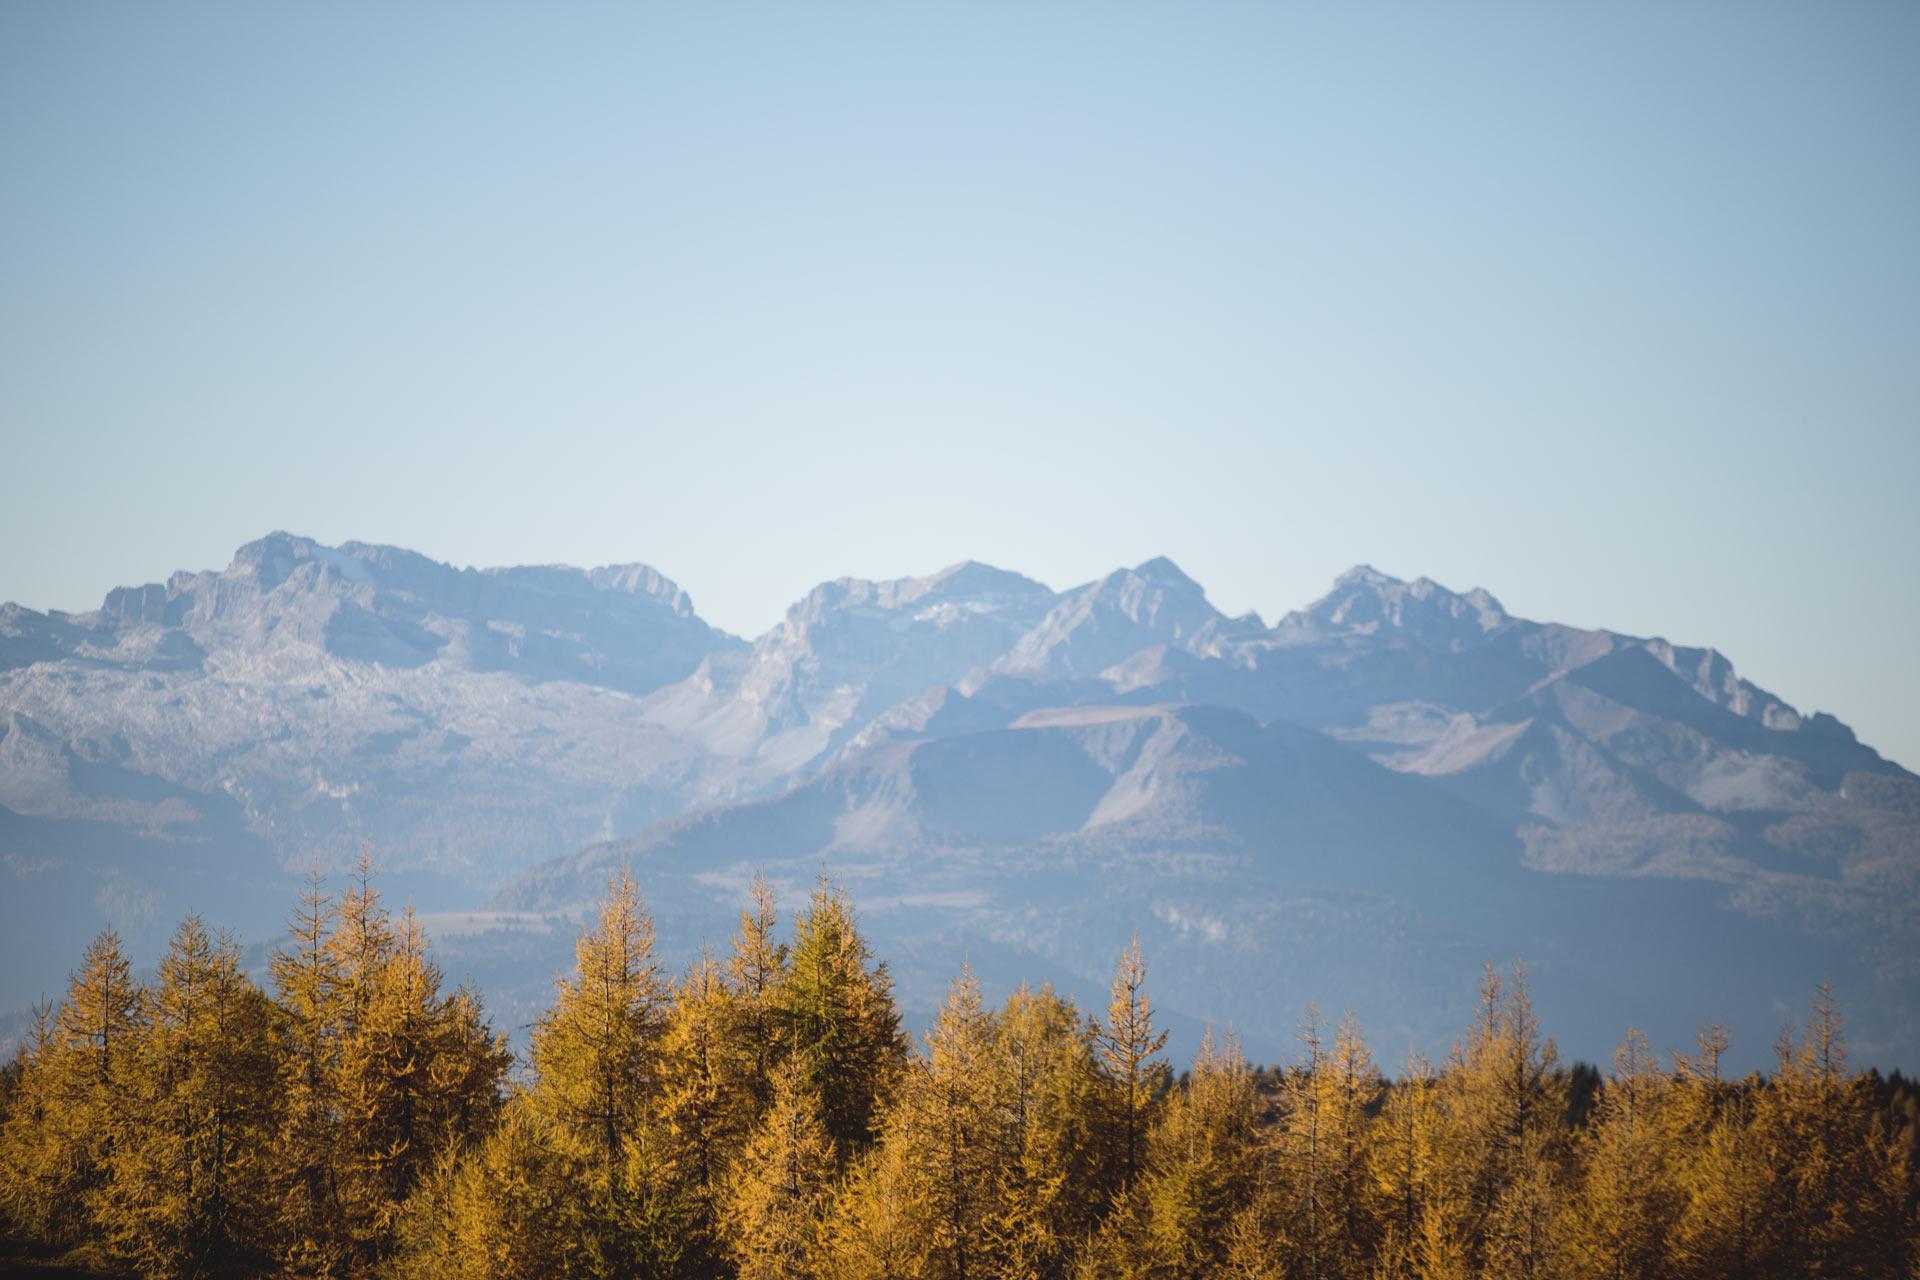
{"points": [[1262, 865], [1363, 801], [846, 653]]}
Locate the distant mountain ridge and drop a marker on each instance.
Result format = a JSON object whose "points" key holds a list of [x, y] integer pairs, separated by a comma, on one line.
{"points": [[1045, 763]]}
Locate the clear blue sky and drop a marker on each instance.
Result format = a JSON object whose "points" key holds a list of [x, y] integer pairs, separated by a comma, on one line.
{"points": [[1613, 309]]}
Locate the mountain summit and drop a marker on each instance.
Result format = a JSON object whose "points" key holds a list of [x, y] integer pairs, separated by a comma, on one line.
{"points": [[1395, 770]]}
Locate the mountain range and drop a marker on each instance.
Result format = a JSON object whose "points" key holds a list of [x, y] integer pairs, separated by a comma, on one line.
{"points": [[1360, 803]]}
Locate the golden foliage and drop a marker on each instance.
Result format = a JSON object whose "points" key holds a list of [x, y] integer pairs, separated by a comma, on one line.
{"points": [[764, 1118]]}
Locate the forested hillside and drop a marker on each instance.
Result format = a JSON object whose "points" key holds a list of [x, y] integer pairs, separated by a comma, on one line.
{"points": [[763, 1115]]}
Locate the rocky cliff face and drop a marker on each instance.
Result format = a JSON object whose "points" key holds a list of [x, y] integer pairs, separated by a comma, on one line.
{"points": [[1396, 766]]}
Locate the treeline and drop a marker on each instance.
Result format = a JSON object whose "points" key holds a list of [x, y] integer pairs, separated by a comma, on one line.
{"points": [[763, 1116]]}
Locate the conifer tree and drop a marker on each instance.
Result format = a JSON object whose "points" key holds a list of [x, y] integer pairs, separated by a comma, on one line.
{"points": [[1720, 1178], [413, 1074], [707, 1100], [948, 1117], [1136, 1078], [1047, 1092], [1406, 1160], [596, 1051], [756, 971], [36, 1151], [78, 1078], [837, 1018], [779, 1191], [356, 1126], [1624, 1214], [598, 1076], [1315, 1215], [308, 986], [1523, 1109], [419, 1071], [1200, 1171], [876, 1226], [500, 1211], [186, 1188], [1835, 1188], [101, 1014], [361, 941]]}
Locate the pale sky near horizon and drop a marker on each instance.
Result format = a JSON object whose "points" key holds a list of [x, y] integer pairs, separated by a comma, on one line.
{"points": [[1612, 309]]}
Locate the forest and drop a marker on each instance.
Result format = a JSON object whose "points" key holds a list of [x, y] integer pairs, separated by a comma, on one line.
{"points": [[763, 1115]]}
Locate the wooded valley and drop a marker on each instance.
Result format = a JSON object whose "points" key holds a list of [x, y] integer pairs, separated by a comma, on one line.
{"points": [[763, 1115]]}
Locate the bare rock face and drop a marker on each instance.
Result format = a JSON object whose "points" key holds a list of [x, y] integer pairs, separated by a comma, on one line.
{"points": [[844, 655], [1361, 802], [456, 716], [1104, 623]]}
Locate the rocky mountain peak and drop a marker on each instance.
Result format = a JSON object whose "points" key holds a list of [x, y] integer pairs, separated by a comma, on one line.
{"points": [[1366, 602], [269, 561], [1107, 621], [638, 579]]}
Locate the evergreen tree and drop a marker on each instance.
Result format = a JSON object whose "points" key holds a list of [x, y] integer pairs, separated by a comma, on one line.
{"points": [[836, 1016]]}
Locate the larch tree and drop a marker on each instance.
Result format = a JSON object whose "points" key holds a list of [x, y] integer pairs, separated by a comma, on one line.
{"points": [[707, 1099], [1621, 1220], [756, 972], [355, 1125], [501, 1211], [597, 1077], [417, 1072], [402, 1075], [779, 1191], [1722, 1181], [1315, 1214], [1200, 1172], [1048, 1095], [1835, 1186], [82, 1078], [596, 1052], [38, 1149], [1406, 1161], [1525, 1142], [1135, 1076], [187, 1180], [949, 1119], [305, 1184], [876, 1226]]}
